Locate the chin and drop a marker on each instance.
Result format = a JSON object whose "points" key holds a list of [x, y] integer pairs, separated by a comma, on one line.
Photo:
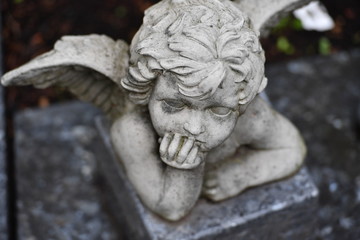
{"points": [[206, 147]]}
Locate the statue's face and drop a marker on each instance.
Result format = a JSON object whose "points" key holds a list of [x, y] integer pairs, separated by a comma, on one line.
{"points": [[209, 121]]}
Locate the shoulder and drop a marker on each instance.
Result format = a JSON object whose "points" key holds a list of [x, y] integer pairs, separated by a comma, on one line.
{"points": [[133, 129], [260, 124], [255, 121], [264, 127], [258, 109]]}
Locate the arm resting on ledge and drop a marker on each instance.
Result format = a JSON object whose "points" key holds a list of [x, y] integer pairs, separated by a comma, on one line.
{"points": [[167, 191], [269, 148]]}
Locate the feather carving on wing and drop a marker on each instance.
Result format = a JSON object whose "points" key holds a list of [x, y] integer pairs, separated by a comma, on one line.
{"points": [[90, 67]]}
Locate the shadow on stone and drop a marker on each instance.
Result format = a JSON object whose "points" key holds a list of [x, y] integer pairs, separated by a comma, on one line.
{"points": [[281, 210], [58, 197]]}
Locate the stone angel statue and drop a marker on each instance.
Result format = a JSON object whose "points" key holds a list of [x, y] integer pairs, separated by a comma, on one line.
{"points": [[187, 118]]}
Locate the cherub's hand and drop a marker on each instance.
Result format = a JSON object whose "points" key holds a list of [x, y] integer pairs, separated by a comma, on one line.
{"points": [[180, 151], [223, 182]]}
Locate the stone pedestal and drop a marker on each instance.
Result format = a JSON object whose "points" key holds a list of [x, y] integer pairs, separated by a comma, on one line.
{"points": [[58, 196], [58, 193], [320, 95], [281, 210], [3, 175]]}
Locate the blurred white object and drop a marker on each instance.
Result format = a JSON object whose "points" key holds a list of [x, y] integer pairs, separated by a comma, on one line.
{"points": [[314, 16]]}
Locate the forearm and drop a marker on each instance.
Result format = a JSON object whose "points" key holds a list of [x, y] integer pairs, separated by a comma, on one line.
{"points": [[256, 167], [276, 149], [269, 148], [249, 168], [180, 191], [168, 191]]}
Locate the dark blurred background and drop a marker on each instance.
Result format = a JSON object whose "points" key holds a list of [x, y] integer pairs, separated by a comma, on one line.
{"points": [[31, 27]]}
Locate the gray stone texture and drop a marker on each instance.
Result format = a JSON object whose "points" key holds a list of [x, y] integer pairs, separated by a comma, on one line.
{"points": [[281, 210], [3, 175], [321, 95], [196, 106], [56, 180]]}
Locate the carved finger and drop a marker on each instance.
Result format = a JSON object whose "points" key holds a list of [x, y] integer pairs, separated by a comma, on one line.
{"points": [[185, 149], [211, 192], [165, 144], [210, 175], [211, 183], [192, 155], [174, 145], [198, 160]]}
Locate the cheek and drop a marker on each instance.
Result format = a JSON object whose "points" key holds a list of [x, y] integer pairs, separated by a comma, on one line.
{"points": [[162, 121], [219, 130], [156, 116]]}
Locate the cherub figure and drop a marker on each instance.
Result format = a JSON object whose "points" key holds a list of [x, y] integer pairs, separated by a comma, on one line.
{"points": [[187, 117]]}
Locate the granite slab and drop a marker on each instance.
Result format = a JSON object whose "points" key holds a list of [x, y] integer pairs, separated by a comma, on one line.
{"points": [[57, 187], [3, 165], [3, 173], [321, 96], [281, 210]]}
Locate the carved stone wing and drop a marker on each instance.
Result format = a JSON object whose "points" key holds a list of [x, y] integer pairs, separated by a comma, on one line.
{"points": [[91, 67], [267, 13]]}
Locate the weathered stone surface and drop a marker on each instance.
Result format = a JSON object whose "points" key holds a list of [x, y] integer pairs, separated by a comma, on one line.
{"points": [[321, 96], [55, 168], [195, 67], [3, 175], [281, 210]]}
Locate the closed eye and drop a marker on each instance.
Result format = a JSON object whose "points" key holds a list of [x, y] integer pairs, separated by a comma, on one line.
{"points": [[173, 104], [220, 111]]}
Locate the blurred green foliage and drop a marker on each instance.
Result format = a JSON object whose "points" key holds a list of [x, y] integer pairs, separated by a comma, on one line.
{"points": [[293, 40], [121, 11], [324, 46], [285, 46], [356, 38], [289, 22]]}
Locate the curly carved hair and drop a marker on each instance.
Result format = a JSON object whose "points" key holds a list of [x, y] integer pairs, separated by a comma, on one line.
{"points": [[198, 41]]}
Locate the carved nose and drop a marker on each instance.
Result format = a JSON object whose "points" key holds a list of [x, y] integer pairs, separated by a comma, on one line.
{"points": [[194, 129]]}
